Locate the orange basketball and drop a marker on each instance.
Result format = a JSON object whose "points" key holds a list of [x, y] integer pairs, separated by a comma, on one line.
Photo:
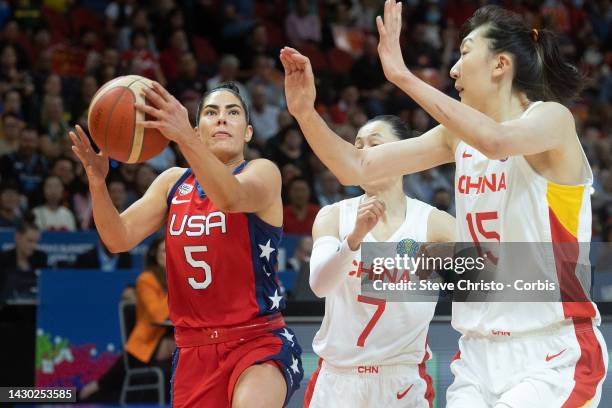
{"points": [[112, 121]]}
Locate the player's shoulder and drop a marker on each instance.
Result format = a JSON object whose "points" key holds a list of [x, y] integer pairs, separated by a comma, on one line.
{"points": [[169, 177], [327, 221], [551, 110], [262, 164], [173, 173], [330, 210]]}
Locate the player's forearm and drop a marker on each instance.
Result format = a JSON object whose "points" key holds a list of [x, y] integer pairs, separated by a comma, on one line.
{"points": [[108, 221], [217, 180], [329, 263], [466, 123], [342, 158]]}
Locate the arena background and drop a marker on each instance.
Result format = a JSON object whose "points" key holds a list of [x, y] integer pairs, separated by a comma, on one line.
{"points": [[54, 54]]}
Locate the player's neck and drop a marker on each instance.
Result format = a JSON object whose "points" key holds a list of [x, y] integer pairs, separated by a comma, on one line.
{"points": [[393, 197], [234, 162], [505, 106]]}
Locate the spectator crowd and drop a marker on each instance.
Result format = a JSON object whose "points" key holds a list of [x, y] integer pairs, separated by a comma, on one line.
{"points": [[54, 55]]}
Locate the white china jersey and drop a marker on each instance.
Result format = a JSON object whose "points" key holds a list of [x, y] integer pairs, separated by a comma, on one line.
{"points": [[362, 330], [507, 201]]}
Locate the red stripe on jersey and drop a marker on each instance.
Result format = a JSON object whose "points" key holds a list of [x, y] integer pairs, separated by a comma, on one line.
{"points": [[565, 249], [430, 393], [590, 368], [311, 384]]}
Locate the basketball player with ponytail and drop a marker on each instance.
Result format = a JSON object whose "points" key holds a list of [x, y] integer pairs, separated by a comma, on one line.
{"points": [[372, 352], [511, 122], [223, 220]]}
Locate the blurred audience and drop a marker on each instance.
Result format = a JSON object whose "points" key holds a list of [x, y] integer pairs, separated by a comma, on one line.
{"points": [[20, 265], [299, 213]]}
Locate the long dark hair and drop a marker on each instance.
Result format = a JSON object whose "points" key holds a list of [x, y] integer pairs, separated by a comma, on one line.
{"points": [[151, 262], [540, 71]]}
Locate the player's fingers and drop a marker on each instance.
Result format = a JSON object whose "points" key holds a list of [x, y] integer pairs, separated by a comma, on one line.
{"points": [[377, 210], [148, 110], [290, 50], [80, 155], [293, 64], [398, 16], [148, 124], [379, 207], [83, 137], [152, 96], [75, 139], [167, 96], [300, 59], [286, 64], [381, 27]]}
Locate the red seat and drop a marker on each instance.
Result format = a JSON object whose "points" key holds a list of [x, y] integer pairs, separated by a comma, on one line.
{"points": [[276, 34], [204, 51], [340, 61], [317, 57], [84, 17]]}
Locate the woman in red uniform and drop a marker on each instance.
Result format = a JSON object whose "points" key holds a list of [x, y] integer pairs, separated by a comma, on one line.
{"points": [[224, 219]]}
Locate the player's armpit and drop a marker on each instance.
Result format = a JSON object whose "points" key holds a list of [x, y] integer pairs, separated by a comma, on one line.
{"points": [[147, 214]]}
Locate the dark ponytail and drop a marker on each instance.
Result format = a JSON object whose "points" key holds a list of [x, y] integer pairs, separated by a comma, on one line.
{"points": [[540, 71]]}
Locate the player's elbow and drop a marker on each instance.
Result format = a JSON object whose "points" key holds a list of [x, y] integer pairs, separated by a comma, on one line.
{"points": [[493, 148], [116, 245], [352, 177]]}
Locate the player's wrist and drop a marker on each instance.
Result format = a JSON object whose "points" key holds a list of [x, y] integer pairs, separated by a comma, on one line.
{"points": [[353, 240]]}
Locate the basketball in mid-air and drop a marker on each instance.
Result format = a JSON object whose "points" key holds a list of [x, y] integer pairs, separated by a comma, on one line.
{"points": [[112, 121]]}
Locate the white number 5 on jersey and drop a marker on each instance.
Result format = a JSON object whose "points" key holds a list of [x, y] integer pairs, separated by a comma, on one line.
{"points": [[189, 251]]}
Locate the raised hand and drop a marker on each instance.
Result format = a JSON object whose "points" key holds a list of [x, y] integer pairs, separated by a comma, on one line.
{"points": [[172, 119], [389, 48], [96, 164], [370, 211], [300, 88]]}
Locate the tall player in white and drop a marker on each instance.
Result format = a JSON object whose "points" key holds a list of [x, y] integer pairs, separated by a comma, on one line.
{"points": [[372, 352], [518, 354]]}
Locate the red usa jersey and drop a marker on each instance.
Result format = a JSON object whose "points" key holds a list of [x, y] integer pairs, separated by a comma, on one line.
{"points": [[221, 266]]}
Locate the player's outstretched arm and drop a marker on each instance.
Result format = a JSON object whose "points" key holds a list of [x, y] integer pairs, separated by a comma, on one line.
{"points": [[353, 166], [121, 232], [331, 258], [495, 140]]}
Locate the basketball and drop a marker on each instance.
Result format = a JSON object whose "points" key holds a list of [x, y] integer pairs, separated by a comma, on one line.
{"points": [[112, 121]]}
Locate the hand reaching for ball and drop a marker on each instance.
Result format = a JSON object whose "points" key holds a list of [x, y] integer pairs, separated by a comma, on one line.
{"points": [[171, 118], [96, 164]]}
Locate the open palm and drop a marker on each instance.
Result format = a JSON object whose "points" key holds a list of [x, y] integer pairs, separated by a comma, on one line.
{"points": [[389, 49], [299, 82]]}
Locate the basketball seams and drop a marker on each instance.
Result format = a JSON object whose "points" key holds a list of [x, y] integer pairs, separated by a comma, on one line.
{"points": [[139, 131], [110, 115]]}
